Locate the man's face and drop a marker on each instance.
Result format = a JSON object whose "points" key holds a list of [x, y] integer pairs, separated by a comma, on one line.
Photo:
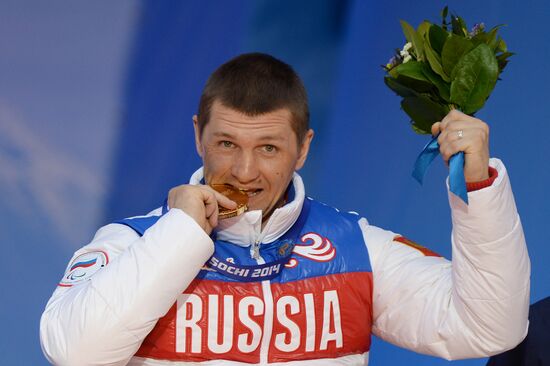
{"points": [[256, 154]]}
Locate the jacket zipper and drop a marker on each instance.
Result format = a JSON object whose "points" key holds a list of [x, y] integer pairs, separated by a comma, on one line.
{"points": [[267, 329], [256, 250]]}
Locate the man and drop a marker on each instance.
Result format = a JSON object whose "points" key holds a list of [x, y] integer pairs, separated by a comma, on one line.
{"points": [[292, 280]]}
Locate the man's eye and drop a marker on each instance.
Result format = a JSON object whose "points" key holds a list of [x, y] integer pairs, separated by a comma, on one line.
{"points": [[227, 144], [269, 148]]}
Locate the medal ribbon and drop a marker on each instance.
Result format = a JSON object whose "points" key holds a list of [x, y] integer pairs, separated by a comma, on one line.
{"points": [[457, 181], [260, 272]]}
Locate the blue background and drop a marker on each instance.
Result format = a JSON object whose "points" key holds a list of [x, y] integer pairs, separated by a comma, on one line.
{"points": [[96, 100]]}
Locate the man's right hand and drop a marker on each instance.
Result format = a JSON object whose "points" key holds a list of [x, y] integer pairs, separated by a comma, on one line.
{"points": [[200, 202]]}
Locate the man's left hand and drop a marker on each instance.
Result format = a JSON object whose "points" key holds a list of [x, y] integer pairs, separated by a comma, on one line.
{"points": [[460, 132]]}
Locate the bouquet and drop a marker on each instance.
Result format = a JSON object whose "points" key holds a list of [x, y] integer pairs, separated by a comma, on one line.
{"points": [[444, 67]]}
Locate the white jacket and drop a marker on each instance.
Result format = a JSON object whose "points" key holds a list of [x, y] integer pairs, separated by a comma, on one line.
{"points": [[475, 306]]}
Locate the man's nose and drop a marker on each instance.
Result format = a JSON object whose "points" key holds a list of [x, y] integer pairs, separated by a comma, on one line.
{"points": [[245, 167]]}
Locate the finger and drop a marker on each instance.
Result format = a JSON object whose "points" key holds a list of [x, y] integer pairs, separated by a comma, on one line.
{"points": [[455, 125], [436, 128], [171, 195], [441, 139], [452, 147], [213, 220], [446, 136], [454, 115], [210, 206], [468, 135], [459, 120], [458, 130], [446, 152], [455, 134], [221, 199], [208, 227], [452, 118]]}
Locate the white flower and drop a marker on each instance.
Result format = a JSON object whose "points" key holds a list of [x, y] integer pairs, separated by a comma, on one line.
{"points": [[405, 51]]}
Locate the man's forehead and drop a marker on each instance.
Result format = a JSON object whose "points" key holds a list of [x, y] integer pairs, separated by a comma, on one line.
{"points": [[226, 121], [220, 110]]}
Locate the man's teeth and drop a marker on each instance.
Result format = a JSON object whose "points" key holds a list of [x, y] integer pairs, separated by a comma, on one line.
{"points": [[252, 193]]}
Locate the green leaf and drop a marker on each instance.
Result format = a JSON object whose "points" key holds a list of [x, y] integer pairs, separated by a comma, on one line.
{"points": [[459, 26], [411, 74], [492, 40], [424, 112], [412, 69], [474, 78], [443, 88], [412, 36], [453, 50], [501, 46], [437, 38], [489, 38], [392, 72], [408, 30], [398, 88], [435, 62], [423, 29], [417, 129], [444, 13], [419, 86], [502, 60]]}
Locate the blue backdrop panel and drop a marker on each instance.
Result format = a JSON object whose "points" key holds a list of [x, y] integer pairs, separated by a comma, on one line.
{"points": [[177, 45]]}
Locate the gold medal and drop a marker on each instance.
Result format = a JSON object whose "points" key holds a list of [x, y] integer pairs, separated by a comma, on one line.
{"points": [[233, 194]]}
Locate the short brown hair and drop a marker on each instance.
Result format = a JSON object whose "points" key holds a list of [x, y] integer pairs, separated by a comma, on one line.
{"points": [[254, 84]]}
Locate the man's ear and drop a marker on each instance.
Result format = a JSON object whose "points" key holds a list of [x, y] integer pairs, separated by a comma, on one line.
{"points": [[198, 144], [304, 150]]}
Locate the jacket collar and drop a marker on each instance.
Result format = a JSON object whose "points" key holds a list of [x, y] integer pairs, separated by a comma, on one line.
{"points": [[246, 229]]}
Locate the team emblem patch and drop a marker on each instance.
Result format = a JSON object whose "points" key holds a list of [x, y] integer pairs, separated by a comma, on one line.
{"points": [[83, 267], [427, 252], [314, 247]]}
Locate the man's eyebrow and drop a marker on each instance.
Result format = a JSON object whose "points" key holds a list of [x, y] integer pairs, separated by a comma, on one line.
{"points": [[271, 138], [223, 134], [262, 138]]}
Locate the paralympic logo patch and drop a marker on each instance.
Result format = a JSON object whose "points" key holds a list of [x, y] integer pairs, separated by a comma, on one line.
{"points": [[83, 267], [84, 264]]}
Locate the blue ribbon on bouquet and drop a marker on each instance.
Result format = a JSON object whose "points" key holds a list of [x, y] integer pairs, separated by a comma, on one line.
{"points": [[457, 181]]}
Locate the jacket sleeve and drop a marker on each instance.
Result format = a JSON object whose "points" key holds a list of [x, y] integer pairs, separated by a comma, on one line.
{"points": [[103, 319], [475, 306]]}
